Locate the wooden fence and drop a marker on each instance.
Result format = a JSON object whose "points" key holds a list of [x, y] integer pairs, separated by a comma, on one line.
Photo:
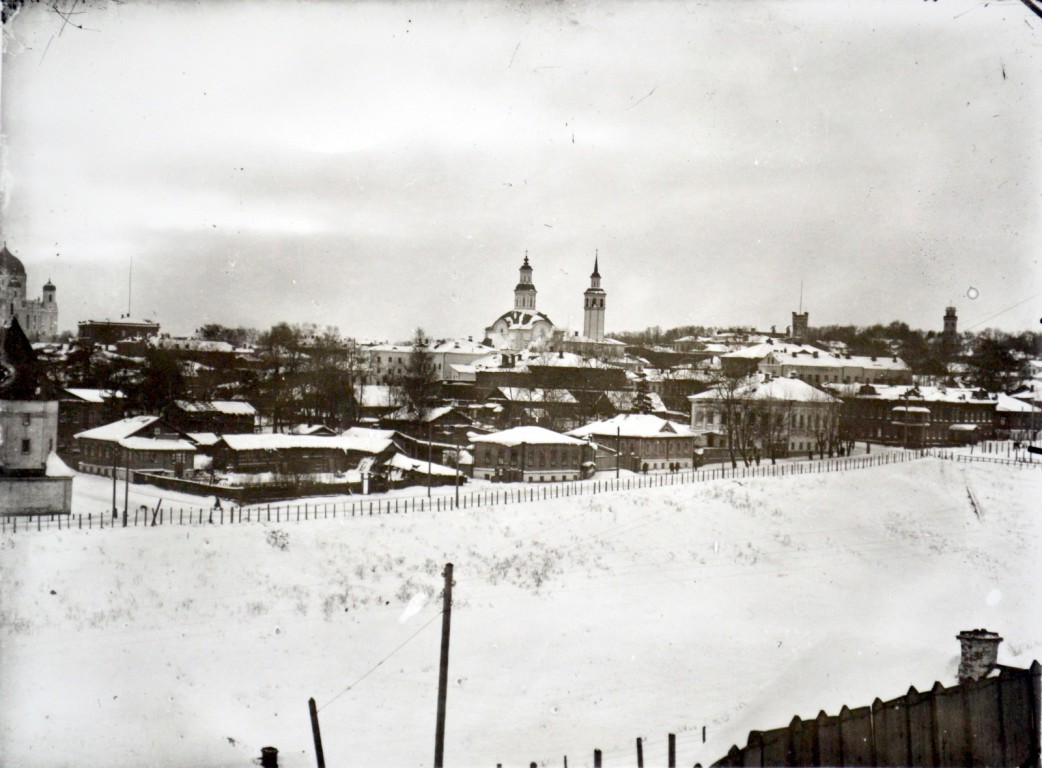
{"points": [[484, 497], [994, 721]]}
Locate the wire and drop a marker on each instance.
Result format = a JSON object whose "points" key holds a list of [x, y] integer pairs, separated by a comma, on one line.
{"points": [[381, 661], [1004, 311]]}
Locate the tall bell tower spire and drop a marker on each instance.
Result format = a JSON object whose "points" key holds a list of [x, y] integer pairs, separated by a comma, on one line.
{"points": [[524, 291], [593, 304]]}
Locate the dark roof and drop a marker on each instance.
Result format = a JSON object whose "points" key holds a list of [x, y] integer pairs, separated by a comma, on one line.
{"points": [[19, 371], [11, 263]]}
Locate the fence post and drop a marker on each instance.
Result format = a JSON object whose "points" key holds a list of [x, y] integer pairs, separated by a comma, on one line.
{"points": [[672, 750], [640, 752], [596, 758]]}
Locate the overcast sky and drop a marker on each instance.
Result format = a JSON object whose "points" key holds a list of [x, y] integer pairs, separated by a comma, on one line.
{"points": [[384, 166]]}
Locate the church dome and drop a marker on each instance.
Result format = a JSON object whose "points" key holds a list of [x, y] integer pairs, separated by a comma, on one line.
{"points": [[10, 263]]}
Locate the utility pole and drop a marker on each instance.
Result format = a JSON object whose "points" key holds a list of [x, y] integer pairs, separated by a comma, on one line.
{"points": [[115, 478], [316, 734], [618, 453], [126, 482], [126, 461], [459, 452], [443, 670]]}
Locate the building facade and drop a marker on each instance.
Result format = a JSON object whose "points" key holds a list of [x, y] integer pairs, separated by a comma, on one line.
{"points": [[643, 441], [530, 455], [38, 318], [28, 433]]}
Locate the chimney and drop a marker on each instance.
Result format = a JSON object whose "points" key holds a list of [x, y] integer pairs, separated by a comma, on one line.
{"points": [[980, 650]]}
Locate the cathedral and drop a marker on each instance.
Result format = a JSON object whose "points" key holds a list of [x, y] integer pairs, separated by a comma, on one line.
{"points": [[524, 327], [37, 317]]}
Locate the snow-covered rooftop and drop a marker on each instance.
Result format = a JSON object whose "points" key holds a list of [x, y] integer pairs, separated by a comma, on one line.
{"points": [[633, 425], [526, 395], [94, 395], [770, 388], [403, 462], [531, 435], [155, 444], [227, 407], [279, 441], [915, 393], [118, 430]]}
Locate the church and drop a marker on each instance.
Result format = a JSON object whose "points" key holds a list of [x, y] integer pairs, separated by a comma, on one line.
{"points": [[37, 317], [522, 327], [526, 328]]}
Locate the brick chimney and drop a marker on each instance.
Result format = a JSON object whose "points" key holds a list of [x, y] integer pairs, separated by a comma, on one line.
{"points": [[980, 650]]}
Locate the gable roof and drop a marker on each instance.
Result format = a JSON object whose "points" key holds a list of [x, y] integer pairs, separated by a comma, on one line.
{"points": [[526, 435], [119, 430], [227, 407], [633, 425]]}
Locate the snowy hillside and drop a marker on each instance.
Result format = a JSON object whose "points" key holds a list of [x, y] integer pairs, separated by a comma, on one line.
{"points": [[578, 623]]}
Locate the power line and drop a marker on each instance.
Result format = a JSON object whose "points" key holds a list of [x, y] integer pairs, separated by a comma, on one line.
{"points": [[1004, 311], [381, 661]]}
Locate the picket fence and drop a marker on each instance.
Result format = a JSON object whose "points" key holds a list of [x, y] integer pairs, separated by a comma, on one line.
{"points": [[993, 721], [486, 497]]}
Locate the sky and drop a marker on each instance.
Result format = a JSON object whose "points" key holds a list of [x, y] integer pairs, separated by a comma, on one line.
{"points": [[385, 166]]}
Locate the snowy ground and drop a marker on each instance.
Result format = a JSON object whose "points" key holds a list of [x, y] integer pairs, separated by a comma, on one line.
{"points": [[578, 623]]}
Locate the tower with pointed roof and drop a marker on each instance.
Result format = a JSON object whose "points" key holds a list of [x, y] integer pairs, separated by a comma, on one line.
{"points": [[37, 317], [524, 292], [593, 305]]}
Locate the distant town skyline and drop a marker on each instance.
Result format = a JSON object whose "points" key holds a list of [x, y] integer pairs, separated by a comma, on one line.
{"points": [[384, 166]]}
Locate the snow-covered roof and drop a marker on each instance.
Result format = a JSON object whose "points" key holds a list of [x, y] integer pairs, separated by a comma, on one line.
{"points": [[94, 395], [526, 436], [373, 434], [1007, 404], [915, 393], [759, 351], [203, 438], [402, 462], [633, 425], [461, 347], [526, 395], [310, 429], [118, 430], [376, 396], [279, 441], [770, 388], [155, 444], [227, 407]]}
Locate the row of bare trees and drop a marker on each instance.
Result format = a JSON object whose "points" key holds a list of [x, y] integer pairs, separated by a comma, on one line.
{"points": [[756, 425]]}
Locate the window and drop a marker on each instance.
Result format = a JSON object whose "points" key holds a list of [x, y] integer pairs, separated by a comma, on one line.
{"points": [[26, 419], [26, 446]]}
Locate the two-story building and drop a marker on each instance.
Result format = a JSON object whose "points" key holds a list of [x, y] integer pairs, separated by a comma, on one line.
{"points": [[146, 443], [643, 439]]}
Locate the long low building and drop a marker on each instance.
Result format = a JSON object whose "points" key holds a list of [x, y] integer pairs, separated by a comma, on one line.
{"points": [[643, 441], [922, 415], [297, 454], [529, 454], [138, 442]]}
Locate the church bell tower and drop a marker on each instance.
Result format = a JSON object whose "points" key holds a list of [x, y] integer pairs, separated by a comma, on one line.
{"points": [[593, 305], [524, 292]]}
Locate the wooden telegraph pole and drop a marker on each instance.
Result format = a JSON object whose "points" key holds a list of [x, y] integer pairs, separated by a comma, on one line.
{"points": [[317, 734], [443, 670]]}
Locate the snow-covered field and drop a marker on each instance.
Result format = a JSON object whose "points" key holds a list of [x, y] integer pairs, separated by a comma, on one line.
{"points": [[577, 623]]}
